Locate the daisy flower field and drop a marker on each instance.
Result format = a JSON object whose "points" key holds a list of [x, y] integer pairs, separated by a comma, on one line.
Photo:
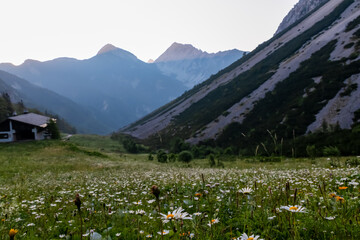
{"points": [[51, 190]]}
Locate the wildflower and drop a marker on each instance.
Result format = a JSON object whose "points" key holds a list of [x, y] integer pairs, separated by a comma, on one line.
{"points": [[332, 195], [245, 190], [169, 216], [244, 236], [213, 221], [340, 199], [295, 208], [62, 235], [118, 234], [342, 188], [164, 232], [12, 233], [198, 194], [353, 183], [176, 214], [271, 218], [330, 218], [148, 236], [30, 225], [180, 214], [140, 212]]}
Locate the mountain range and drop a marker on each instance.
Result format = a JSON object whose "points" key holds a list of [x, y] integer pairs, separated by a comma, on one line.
{"points": [[192, 66], [115, 88], [306, 75], [114, 85]]}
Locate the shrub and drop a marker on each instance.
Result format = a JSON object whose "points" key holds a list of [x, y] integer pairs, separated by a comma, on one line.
{"points": [[53, 130], [331, 151], [172, 157], [185, 156], [349, 45], [161, 156], [353, 24], [150, 157], [311, 151], [130, 145], [229, 151]]}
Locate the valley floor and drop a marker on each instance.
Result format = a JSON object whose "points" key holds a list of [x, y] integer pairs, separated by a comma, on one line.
{"points": [[291, 199]]}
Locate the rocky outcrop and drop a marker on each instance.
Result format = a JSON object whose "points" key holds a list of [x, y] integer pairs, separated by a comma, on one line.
{"points": [[302, 8]]}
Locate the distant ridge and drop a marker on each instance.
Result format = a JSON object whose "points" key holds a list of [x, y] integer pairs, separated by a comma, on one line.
{"points": [[191, 65], [114, 85], [178, 51]]}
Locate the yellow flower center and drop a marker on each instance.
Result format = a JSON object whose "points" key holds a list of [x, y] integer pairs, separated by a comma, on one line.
{"points": [[170, 216], [293, 208], [250, 238]]}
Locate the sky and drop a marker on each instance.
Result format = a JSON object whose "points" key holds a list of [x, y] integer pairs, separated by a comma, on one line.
{"points": [[48, 29]]}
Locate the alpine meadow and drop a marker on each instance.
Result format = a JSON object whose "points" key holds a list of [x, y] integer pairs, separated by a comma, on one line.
{"points": [[234, 144]]}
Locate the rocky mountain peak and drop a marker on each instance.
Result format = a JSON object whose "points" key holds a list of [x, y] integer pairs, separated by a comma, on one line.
{"points": [[178, 51], [107, 48], [302, 8]]}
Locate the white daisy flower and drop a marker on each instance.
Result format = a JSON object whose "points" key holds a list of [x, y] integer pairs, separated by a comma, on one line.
{"points": [[245, 190], [295, 208], [244, 236], [164, 232], [213, 221]]}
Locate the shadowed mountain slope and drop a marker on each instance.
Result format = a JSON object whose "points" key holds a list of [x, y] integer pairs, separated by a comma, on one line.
{"points": [[306, 75]]}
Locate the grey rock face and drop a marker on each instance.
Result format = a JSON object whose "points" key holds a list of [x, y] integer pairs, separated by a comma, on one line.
{"points": [[302, 8]]}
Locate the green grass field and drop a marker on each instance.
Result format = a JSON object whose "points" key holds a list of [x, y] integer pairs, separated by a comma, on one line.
{"points": [[291, 199]]}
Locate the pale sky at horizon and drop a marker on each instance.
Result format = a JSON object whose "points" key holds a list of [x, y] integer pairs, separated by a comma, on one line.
{"points": [[48, 29]]}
